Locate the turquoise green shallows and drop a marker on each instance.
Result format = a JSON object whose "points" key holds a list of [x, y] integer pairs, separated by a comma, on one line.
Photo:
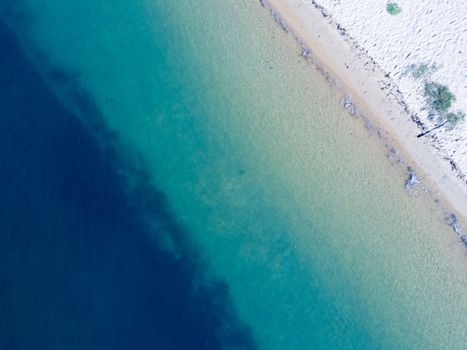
{"points": [[287, 198]]}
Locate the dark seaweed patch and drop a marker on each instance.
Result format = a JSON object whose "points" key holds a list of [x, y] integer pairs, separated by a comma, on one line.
{"points": [[78, 267]]}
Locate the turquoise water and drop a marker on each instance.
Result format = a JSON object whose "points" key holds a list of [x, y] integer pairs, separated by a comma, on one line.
{"points": [[284, 196]]}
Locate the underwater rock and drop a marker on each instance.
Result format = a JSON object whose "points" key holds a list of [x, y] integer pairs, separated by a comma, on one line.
{"points": [[454, 223], [412, 180], [348, 105]]}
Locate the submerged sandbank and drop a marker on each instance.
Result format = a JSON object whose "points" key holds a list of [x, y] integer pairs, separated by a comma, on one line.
{"points": [[373, 96]]}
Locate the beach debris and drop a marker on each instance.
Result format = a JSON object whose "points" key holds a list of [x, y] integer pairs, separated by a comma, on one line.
{"points": [[393, 156], [432, 129], [369, 125], [454, 223], [412, 180], [451, 120], [348, 104], [306, 52]]}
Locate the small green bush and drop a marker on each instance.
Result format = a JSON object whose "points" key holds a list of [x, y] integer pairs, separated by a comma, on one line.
{"points": [[438, 96], [393, 9], [455, 117], [421, 70]]}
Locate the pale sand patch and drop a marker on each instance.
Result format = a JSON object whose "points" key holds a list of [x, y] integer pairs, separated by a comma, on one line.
{"points": [[375, 96]]}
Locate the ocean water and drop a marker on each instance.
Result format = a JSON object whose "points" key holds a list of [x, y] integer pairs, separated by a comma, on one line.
{"points": [[79, 269], [176, 176]]}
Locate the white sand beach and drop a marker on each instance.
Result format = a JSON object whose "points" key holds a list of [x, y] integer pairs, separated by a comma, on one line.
{"points": [[382, 63]]}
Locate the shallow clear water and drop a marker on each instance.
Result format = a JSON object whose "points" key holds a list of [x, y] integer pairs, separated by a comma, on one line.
{"points": [[282, 195]]}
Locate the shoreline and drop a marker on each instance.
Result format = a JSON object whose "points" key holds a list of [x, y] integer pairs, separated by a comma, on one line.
{"points": [[371, 95]]}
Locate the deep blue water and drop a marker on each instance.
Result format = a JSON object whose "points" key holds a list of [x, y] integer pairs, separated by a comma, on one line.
{"points": [[78, 266]]}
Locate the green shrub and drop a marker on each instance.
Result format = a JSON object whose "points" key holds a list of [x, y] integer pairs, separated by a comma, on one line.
{"points": [[438, 96], [455, 117], [393, 9], [420, 70]]}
